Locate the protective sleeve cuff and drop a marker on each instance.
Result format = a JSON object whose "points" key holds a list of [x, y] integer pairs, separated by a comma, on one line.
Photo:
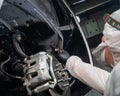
{"points": [[70, 64]]}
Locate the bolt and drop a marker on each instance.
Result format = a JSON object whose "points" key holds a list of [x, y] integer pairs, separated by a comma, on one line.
{"points": [[58, 64], [56, 70], [66, 85], [60, 80]]}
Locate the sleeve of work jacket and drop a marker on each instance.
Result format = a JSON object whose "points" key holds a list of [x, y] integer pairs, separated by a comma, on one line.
{"points": [[113, 83], [86, 73]]}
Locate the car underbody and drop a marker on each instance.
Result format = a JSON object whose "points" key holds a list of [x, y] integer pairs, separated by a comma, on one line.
{"points": [[30, 33]]}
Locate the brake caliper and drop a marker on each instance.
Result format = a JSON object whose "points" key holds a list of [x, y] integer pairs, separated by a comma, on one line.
{"points": [[43, 72]]}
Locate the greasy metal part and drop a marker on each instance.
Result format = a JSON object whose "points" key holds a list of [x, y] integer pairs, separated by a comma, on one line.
{"points": [[7, 74], [67, 27], [39, 73], [43, 72], [6, 24], [32, 10]]}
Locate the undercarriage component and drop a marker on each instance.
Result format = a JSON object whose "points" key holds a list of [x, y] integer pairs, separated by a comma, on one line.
{"points": [[43, 73], [30, 40]]}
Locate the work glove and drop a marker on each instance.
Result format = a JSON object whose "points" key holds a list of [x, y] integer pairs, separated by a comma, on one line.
{"points": [[62, 56]]}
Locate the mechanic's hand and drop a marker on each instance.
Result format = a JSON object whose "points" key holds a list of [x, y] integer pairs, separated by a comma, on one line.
{"points": [[62, 56]]}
